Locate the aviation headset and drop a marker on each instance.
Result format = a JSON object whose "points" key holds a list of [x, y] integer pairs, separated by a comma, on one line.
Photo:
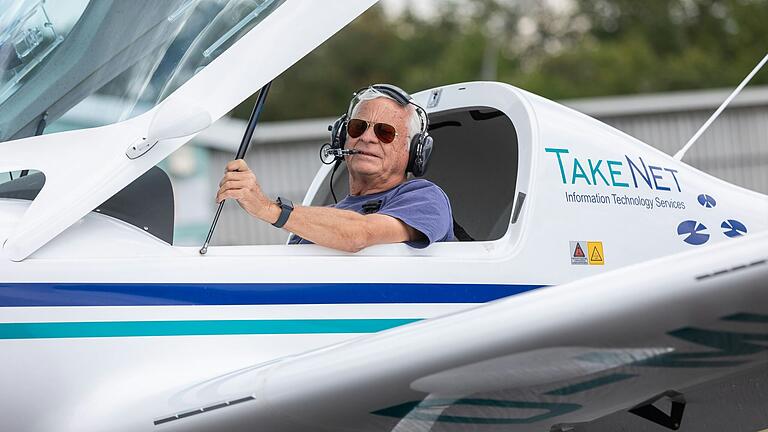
{"points": [[421, 143]]}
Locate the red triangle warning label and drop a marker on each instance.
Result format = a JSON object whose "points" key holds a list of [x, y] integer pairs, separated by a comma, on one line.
{"points": [[578, 252]]}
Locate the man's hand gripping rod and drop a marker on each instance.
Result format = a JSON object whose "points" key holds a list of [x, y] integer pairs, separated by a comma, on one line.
{"points": [[252, 121]]}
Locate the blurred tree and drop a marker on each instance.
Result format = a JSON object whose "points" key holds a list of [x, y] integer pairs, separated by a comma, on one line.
{"points": [[410, 51], [319, 83], [561, 49], [655, 45]]}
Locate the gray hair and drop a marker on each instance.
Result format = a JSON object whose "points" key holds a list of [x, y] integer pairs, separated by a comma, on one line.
{"points": [[414, 119]]}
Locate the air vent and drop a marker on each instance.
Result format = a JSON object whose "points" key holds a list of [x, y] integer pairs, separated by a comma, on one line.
{"points": [[731, 270], [203, 410]]}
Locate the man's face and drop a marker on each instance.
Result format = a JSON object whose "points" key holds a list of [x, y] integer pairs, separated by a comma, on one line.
{"points": [[378, 159]]}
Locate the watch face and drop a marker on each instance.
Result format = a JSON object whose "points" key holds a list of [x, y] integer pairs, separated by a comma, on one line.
{"points": [[284, 203]]}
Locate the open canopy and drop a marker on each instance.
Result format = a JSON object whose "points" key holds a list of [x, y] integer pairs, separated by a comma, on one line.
{"points": [[171, 65], [132, 53]]}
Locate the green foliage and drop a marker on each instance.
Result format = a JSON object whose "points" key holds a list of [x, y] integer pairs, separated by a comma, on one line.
{"points": [[659, 45], [595, 47]]}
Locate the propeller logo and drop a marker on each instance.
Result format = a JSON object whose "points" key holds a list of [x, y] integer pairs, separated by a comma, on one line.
{"points": [[707, 201], [695, 232], [733, 228]]}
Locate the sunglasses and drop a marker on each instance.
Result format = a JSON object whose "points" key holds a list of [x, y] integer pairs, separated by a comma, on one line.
{"points": [[384, 132]]}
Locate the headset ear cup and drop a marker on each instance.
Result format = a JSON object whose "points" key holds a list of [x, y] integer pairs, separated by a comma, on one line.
{"points": [[421, 151], [341, 138], [413, 153], [339, 133], [422, 158], [426, 153]]}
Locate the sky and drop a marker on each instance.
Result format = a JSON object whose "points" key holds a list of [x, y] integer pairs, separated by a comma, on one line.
{"points": [[422, 6]]}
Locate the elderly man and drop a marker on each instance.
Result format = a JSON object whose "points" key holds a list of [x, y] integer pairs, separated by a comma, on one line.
{"points": [[379, 128]]}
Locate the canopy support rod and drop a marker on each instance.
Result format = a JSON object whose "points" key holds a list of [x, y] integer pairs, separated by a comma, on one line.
{"points": [[241, 151], [679, 155]]}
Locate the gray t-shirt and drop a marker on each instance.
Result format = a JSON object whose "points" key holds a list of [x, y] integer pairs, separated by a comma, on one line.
{"points": [[418, 203]]}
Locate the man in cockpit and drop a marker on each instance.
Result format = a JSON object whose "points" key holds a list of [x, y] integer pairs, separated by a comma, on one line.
{"points": [[382, 138]]}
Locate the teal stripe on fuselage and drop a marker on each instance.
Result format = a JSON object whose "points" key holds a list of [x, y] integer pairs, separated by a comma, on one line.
{"points": [[101, 329]]}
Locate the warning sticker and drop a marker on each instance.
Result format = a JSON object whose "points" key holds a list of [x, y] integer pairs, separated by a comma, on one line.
{"points": [[578, 255], [595, 251], [587, 253]]}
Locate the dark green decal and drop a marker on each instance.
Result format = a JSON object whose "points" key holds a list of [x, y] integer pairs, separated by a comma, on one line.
{"points": [[589, 385], [747, 317], [727, 344], [424, 411]]}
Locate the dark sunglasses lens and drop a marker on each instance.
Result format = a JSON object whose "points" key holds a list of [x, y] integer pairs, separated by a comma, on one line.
{"points": [[356, 127], [384, 132]]}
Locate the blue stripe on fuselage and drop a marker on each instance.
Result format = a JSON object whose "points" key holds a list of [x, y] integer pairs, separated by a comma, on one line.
{"points": [[168, 294]]}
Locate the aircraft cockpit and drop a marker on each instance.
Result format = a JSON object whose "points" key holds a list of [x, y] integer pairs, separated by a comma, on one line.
{"points": [[55, 61], [475, 162]]}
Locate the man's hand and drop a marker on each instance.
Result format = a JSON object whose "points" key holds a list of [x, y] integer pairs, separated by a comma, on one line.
{"points": [[240, 183]]}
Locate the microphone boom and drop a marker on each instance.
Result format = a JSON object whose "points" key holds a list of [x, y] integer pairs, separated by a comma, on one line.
{"points": [[328, 155]]}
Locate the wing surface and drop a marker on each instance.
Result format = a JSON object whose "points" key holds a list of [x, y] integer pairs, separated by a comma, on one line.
{"points": [[558, 356]]}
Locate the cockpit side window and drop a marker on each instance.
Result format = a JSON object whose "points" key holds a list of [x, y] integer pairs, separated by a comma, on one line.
{"points": [[147, 203], [475, 161]]}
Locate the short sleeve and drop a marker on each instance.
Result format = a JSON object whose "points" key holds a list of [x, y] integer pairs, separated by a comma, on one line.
{"points": [[423, 206]]}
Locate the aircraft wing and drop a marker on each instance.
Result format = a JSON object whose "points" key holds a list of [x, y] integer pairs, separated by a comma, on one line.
{"points": [[557, 356]]}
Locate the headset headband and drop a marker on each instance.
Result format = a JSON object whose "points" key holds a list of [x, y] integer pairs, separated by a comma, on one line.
{"points": [[398, 95]]}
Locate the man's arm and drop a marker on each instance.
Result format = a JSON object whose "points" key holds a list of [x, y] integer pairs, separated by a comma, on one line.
{"points": [[338, 229], [346, 230]]}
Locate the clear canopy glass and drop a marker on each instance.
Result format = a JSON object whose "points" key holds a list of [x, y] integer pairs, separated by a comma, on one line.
{"points": [[104, 61]]}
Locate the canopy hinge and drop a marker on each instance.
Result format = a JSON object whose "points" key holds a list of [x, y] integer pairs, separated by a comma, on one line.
{"points": [[139, 147]]}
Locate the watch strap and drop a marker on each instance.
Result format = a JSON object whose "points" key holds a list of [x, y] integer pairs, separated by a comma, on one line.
{"points": [[286, 207]]}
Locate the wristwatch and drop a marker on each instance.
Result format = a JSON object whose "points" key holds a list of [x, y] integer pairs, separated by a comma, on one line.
{"points": [[286, 207]]}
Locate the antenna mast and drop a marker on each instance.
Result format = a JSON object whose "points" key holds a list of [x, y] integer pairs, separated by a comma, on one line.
{"points": [[679, 155]]}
